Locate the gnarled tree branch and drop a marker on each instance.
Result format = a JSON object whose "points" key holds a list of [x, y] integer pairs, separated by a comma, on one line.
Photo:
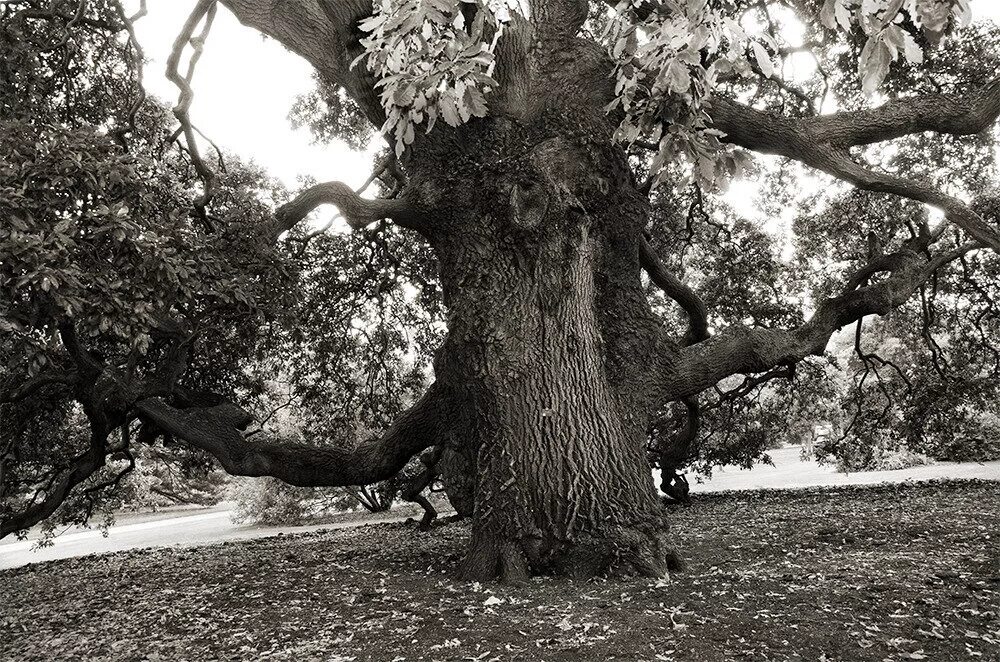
{"points": [[356, 210], [35, 384], [672, 286], [219, 431], [746, 351], [204, 12], [824, 142], [674, 454], [81, 468], [957, 114]]}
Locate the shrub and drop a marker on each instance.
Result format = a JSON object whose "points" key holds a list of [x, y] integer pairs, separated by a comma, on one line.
{"points": [[979, 441], [270, 501], [894, 459], [869, 449]]}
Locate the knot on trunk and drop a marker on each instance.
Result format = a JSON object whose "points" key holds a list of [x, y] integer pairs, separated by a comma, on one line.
{"points": [[558, 177], [529, 205]]}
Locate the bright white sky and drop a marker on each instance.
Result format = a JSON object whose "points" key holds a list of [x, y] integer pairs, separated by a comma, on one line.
{"points": [[245, 85]]}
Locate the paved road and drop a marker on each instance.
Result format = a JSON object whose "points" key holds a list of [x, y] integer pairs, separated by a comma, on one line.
{"points": [[199, 528], [204, 527], [788, 471]]}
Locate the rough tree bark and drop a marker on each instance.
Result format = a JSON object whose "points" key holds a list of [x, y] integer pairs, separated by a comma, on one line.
{"points": [[457, 473], [531, 239]]}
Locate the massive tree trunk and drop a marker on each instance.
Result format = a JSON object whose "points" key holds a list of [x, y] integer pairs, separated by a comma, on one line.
{"points": [[536, 231], [536, 221]]}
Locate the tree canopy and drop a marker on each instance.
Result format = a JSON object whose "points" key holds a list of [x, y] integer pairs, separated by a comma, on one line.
{"points": [[552, 288]]}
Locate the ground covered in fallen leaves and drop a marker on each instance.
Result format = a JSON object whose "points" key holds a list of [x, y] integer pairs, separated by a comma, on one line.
{"points": [[904, 572]]}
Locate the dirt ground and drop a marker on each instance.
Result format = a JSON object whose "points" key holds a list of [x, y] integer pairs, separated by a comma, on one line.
{"points": [[903, 572]]}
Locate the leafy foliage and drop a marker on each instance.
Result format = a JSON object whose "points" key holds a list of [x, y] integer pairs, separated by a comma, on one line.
{"points": [[331, 115], [432, 60], [98, 243], [807, 236]]}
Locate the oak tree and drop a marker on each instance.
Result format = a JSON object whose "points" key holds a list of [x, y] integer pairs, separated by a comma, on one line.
{"points": [[533, 148]]}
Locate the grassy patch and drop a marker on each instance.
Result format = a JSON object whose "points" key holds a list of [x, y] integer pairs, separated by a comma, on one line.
{"points": [[904, 572]]}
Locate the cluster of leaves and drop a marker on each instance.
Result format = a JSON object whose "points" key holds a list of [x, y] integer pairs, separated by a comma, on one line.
{"points": [[436, 58], [886, 40], [98, 236], [671, 61], [330, 114], [433, 58], [667, 65]]}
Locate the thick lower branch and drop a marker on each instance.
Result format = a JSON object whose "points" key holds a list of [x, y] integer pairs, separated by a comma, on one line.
{"points": [[82, 468], [745, 351], [218, 430]]}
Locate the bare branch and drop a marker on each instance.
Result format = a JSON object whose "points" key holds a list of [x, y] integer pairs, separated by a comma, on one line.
{"points": [[143, 10], [138, 61], [356, 210], [203, 11], [81, 468], [81, 8], [32, 386], [672, 286], [752, 382]]}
